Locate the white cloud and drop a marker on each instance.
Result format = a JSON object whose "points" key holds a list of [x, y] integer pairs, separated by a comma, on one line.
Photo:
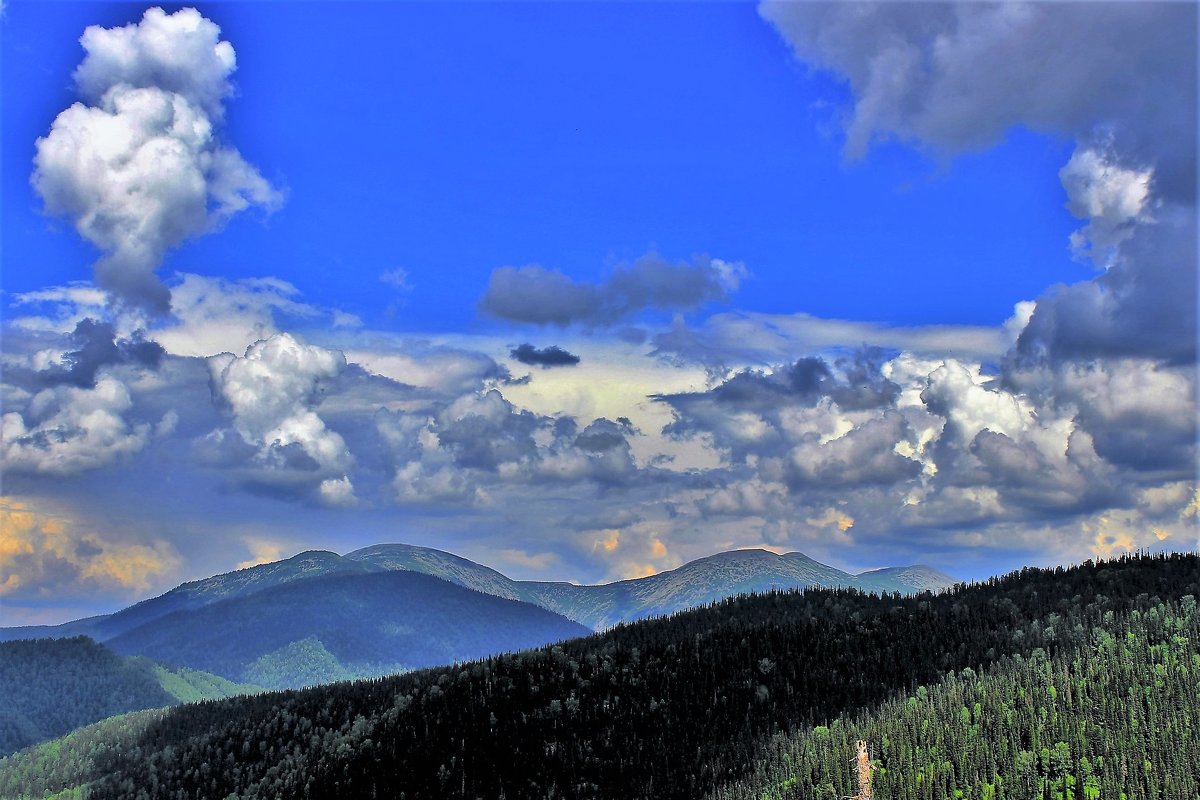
{"points": [[272, 392], [68, 429], [215, 315], [1111, 197], [140, 169]]}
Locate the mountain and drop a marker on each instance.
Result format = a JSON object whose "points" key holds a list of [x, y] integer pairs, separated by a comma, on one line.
{"points": [[681, 707], [696, 583], [906, 580], [596, 606], [51, 686], [196, 594], [341, 626]]}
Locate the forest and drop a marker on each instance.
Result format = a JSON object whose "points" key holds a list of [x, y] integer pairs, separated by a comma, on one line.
{"points": [[1118, 716], [687, 705], [51, 686]]}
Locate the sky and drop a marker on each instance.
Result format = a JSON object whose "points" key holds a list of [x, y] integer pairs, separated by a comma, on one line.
{"points": [[585, 291]]}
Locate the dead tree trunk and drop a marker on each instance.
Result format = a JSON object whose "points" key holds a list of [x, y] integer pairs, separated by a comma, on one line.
{"points": [[863, 761]]}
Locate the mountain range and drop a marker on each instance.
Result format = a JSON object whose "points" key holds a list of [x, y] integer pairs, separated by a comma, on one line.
{"points": [[319, 617], [598, 606]]}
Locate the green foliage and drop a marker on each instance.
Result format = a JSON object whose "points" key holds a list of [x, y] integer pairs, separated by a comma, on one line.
{"points": [[58, 769], [51, 686], [680, 707], [1113, 717]]}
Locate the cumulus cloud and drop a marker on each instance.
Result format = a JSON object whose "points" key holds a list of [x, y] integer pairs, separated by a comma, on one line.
{"points": [[552, 356], [540, 296], [138, 166], [67, 429], [271, 394]]}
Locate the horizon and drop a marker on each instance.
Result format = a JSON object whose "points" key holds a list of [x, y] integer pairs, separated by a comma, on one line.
{"points": [[589, 292]]}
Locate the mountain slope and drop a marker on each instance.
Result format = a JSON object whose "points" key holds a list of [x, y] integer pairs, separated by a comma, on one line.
{"points": [[906, 580], [343, 626], [51, 686], [600, 606], [668, 708], [1037, 727], [696, 583], [195, 594]]}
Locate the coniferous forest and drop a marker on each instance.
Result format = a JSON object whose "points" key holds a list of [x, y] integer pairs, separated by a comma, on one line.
{"points": [[1118, 716], [1061, 676], [49, 687]]}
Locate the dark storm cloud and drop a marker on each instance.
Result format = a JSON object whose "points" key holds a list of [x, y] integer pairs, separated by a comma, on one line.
{"points": [[552, 356], [96, 346], [854, 383], [1143, 306], [540, 296]]}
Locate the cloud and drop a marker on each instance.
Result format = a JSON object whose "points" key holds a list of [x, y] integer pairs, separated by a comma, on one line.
{"points": [[957, 76], [552, 356], [540, 296], [396, 278], [1116, 77], [1111, 197], [66, 430], [738, 337], [1143, 306], [97, 346], [43, 553], [217, 315], [441, 369], [139, 168], [271, 394]]}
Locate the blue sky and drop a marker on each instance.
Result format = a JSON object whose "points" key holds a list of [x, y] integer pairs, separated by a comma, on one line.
{"points": [[832, 284]]}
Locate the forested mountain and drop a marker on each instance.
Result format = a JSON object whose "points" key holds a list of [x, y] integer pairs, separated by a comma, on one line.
{"points": [[1114, 717], [343, 626], [51, 686], [698, 582], [666, 708]]}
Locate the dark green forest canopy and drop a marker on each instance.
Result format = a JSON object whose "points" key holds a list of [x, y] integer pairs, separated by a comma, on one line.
{"points": [[51, 686], [675, 707]]}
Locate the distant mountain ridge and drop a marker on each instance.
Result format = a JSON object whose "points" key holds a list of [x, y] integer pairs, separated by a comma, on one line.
{"points": [[341, 626], [597, 606], [696, 583]]}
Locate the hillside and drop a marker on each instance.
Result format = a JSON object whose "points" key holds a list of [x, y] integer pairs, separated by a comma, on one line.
{"points": [[667, 708], [51, 686], [196, 594], [1112, 717], [343, 626]]}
